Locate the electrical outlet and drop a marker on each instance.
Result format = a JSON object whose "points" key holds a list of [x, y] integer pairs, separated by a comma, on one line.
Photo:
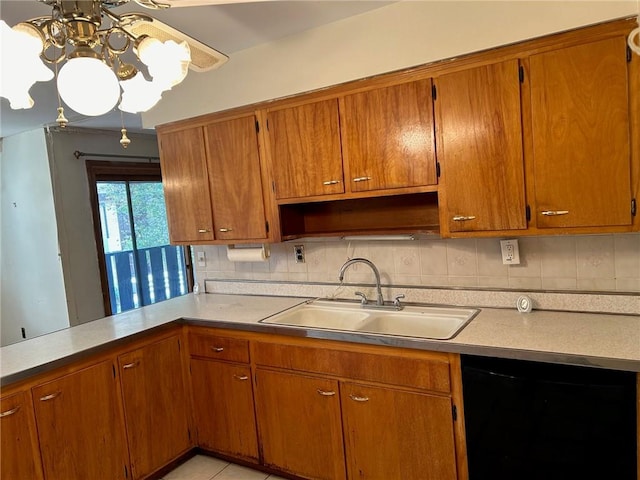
{"points": [[510, 252], [202, 262], [298, 251]]}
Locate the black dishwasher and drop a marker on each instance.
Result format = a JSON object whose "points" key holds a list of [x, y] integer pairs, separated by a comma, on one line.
{"points": [[536, 421]]}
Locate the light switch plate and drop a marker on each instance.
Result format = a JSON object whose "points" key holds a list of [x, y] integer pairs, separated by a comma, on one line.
{"points": [[202, 262]]}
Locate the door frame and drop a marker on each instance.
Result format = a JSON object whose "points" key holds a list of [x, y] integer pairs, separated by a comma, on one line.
{"points": [[100, 170]]}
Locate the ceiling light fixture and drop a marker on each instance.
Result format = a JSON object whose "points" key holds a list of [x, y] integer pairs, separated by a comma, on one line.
{"points": [[132, 60]]}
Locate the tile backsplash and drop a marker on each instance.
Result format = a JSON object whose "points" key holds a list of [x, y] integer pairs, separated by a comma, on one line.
{"points": [[594, 263]]}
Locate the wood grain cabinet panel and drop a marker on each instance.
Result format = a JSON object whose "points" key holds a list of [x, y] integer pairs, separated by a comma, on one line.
{"points": [[80, 426], [580, 125], [478, 118], [233, 163], [299, 424], [305, 150], [186, 185], [397, 434], [388, 137], [18, 441], [224, 408], [219, 348], [155, 405]]}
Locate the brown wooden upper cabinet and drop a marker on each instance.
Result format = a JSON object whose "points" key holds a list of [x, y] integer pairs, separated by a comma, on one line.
{"points": [[580, 132], [480, 151], [186, 185], [213, 182], [371, 140]]}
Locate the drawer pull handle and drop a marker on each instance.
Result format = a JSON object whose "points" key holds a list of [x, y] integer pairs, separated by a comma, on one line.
{"points": [[203, 230], [331, 182], [240, 377], [131, 365], [225, 230], [463, 218], [217, 349], [554, 213], [51, 396], [326, 393], [357, 398], [361, 179], [8, 413]]}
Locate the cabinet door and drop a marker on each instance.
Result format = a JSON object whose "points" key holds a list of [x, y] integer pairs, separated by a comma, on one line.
{"points": [[154, 405], [479, 125], [80, 426], [299, 424], [18, 442], [397, 434], [236, 182], [580, 123], [224, 411], [186, 185], [305, 150], [388, 137]]}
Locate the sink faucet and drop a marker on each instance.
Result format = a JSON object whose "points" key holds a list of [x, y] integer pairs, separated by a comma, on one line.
{"points": [[348, 263]]}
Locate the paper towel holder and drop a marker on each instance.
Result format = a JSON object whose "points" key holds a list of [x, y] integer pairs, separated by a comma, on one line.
{"points": [[263, 249]]}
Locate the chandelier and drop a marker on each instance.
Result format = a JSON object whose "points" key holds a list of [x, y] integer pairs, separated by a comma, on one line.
{"points": [[100, 59]]}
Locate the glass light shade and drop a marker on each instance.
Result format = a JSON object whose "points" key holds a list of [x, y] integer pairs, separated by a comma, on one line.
{"points": [[88, 86], [139, 95], [21, 66], [168, 62], [634, 39]]}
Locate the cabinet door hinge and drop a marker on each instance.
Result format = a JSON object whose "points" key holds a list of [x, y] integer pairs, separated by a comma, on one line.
{"points": [[126, 472], [437, 169], [629, 55], [527, 213], [521, 73], [273, 186], [267, 124], [266, 226], [189, 432], [434, 92], [634, 207], [454, 412], [179, 346], [257, 126]]}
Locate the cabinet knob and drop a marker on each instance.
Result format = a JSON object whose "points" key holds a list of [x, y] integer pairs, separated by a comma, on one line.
{"points": [[463, 218], [240, 377], [224, 230], [361, 179], [51, 396], [203, 230], [131, 365], [8, 413], [554, 213], [357, 398], [217, 349], [331, 182], [326, 393]]}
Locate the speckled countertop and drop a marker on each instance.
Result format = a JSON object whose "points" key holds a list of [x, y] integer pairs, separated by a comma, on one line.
{"points": [[605, 340]]}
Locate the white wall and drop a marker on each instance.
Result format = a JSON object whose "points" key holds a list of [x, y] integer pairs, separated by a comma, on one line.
{"points": [[73, 210], [32, 293], [393, 37]]}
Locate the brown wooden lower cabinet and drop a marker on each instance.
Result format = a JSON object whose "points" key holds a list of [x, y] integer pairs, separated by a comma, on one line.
{"points": [[391, 433], [18, 441], [80, 426], [155, 405], [224, 409], [299, 424]]}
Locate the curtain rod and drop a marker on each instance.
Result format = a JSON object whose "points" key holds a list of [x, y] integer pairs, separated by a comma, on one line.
{"points": [[79, 154]]}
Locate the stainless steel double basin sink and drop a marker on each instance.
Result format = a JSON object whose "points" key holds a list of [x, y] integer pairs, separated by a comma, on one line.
{"points": [[432, 322]]}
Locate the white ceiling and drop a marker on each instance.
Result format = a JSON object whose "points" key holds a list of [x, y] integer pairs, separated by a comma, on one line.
{"points": [[227, 27]]}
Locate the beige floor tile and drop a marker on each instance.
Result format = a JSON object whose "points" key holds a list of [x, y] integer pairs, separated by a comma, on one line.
{"points": [[236, 472], [199, 467]]}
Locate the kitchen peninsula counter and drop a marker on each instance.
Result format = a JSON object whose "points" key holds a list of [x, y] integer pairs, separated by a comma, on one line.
{"points": [[604, 340]]}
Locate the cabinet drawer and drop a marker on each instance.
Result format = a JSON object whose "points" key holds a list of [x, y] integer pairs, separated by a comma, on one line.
{"points": [[221, 348], [423, 373]]}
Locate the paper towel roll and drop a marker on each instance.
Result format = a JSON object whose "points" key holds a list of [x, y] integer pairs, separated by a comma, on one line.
{"points": [[247, 254]]}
